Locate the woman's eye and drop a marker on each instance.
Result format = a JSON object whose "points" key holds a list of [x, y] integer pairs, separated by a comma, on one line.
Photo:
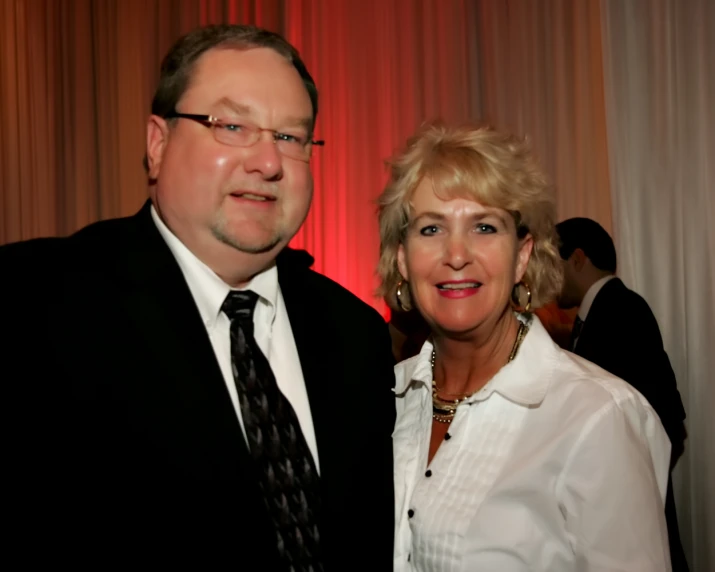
{"points": [[484, 228], [429, 230], [232, 127]]}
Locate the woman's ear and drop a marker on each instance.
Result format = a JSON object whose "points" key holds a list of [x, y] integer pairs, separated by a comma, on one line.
{"points": [[401, 264], [523, 256]]}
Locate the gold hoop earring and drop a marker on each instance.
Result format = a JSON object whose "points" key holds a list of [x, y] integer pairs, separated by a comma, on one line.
{"points": [[398, 296], [515, 301]]}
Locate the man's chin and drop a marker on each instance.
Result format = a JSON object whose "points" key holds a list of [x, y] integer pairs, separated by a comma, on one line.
{"points": [[251, 245], [259, 248]]}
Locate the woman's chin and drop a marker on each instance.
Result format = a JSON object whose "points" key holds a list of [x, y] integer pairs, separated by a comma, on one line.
{"points": [[456, 329]]}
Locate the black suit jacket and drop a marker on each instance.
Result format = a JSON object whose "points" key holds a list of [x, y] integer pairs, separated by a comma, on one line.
{"points": [[124, 431], [621, 335]]}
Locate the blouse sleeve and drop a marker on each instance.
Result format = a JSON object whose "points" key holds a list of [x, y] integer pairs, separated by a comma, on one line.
{"points": [[612, 491]]}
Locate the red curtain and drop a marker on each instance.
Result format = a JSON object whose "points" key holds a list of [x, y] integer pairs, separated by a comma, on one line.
{"points": [[78, 77]]}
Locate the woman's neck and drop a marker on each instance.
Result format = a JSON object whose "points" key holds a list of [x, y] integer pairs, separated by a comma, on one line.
{"points": [[464, 366]]}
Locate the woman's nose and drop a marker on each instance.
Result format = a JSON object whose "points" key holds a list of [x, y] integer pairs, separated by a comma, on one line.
{"points": [[458, 254]]}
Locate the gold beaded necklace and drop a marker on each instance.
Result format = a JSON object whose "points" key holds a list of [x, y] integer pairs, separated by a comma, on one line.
{"points": [[443, 410]]}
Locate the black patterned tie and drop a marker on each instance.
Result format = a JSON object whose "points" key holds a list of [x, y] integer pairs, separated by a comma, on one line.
{"points": [[285, 465], [575, 333]]}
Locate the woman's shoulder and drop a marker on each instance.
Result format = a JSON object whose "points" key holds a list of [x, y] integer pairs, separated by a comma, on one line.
{"points": [[587, 396], [572, 381], [583, 379], [606, 412]]}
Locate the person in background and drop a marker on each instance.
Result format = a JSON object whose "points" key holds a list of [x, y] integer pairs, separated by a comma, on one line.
{"points": [[616, 329], [557, 322], [511, 454], [180, 373]]}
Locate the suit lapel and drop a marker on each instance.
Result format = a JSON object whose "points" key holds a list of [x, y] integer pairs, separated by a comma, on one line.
{"points": [[320, 361], [161, 306], [157, 300]]}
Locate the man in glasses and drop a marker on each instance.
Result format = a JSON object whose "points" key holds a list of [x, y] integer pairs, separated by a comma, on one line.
{"points": [[188, 372]]}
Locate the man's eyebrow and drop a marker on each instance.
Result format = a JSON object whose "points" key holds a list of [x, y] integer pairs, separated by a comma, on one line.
{"points": [[247, 110], [239, 108]]}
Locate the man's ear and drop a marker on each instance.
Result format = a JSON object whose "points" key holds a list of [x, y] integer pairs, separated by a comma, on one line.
{"points": [[579, 259], [157, 136]]}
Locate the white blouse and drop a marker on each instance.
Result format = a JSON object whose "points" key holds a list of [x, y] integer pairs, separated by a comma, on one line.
{"points": [[555, 465]]}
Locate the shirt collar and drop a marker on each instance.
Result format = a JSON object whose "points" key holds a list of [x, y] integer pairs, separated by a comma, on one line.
{"points": [[208, 289], [524, 381], [591, 295]]}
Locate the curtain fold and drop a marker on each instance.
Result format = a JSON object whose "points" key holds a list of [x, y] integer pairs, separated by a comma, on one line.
{"points": [[659, 61], [78, 77]]}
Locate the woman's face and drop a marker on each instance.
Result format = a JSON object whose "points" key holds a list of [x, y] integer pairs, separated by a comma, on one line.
{"points": [[462, 260]]}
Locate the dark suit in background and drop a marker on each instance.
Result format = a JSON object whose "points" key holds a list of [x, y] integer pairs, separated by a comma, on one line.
{"points": [[621, 335], [121, 426]]}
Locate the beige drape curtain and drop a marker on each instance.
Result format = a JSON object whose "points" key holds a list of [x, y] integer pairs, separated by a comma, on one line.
{"points": [[660, 93], [541, 75]]}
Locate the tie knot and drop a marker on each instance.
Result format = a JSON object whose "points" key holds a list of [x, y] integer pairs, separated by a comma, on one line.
{"points": [[239, 305]]}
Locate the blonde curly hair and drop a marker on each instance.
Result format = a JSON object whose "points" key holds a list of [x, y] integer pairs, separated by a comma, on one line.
{"points": [[478, 163]]}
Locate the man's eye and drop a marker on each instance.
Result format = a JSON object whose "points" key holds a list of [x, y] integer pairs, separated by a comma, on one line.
{"points": [[290, 138], [429, 230], [232, 127]]}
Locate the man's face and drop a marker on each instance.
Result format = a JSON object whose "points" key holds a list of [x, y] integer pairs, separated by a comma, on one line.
{"points": [[222, 200]]}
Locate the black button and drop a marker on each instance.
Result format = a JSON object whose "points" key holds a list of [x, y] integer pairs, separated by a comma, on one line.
{"points": [[447, 436], [428, 473], [410, 513], [409, 556]]}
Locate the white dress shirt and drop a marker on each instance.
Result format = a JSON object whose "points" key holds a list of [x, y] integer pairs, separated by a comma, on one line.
{"points": [[554, 465], [271, 329]]}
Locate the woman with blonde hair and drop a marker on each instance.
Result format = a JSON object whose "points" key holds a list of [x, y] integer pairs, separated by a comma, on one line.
{"points": [[510, 453]]}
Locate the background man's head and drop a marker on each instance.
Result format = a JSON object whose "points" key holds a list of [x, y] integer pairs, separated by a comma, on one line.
{"points": [[588, 254]]}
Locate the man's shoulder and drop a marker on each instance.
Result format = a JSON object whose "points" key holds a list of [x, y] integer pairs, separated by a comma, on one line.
{"points": [[628, 304], [340, 299], [28, 260], [295, 272], [616, 299], [82, 249], [616, 291], [16, 252]]}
